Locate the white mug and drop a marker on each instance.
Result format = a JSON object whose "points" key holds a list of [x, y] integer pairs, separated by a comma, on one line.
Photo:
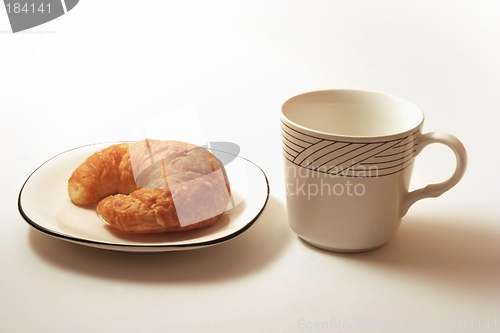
{"points": [[348, 162]]}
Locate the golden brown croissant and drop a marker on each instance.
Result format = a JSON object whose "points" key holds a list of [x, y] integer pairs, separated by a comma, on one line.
{"points": [[105, 172], [173, 186]]}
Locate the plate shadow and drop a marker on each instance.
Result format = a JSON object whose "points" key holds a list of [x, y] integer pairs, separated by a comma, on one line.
{"points": [[247, 253]]}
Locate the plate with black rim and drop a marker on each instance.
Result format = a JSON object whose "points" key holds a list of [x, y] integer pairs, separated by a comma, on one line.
{"points": [[44, 203]]}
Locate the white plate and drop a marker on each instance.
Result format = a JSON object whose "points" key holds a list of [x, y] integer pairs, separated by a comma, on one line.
{"points": [[45, 205]]}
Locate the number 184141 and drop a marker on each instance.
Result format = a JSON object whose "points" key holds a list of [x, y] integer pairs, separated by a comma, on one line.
{"points": [[475, 324], [18, 8]]}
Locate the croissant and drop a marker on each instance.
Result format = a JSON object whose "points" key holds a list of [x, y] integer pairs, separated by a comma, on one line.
{"points": [[152, 186]]}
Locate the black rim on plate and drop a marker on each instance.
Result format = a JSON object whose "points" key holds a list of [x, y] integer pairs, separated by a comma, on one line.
{"points": [[86, 241]]}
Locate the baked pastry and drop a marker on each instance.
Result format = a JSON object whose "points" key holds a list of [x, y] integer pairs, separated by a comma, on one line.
{"points": [[153, 186], [106, 172]]}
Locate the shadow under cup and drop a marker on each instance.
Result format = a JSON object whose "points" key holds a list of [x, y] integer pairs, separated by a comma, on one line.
{"points": [[348, 163]]}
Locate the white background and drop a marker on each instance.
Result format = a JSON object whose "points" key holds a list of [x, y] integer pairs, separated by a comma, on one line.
{"points": [[95, 73]]}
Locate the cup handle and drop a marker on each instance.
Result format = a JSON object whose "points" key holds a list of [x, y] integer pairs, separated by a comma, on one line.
{"points": [[435, 190]]}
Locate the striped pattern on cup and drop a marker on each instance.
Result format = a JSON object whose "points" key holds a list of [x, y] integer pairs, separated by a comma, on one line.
{"points": [[348, 159]]}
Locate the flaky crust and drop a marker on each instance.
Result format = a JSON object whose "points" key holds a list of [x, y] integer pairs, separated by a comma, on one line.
{"points": [[153, 186], [105, 172]]}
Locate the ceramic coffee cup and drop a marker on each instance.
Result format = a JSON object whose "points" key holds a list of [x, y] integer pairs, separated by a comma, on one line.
{"points": [[349, 156]]}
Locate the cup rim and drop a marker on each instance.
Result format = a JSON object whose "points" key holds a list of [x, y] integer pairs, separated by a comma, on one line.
{"points": [[351, 138]]}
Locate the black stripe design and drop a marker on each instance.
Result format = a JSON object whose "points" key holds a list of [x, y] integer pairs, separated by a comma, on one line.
{"points": [[348, 159]]}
